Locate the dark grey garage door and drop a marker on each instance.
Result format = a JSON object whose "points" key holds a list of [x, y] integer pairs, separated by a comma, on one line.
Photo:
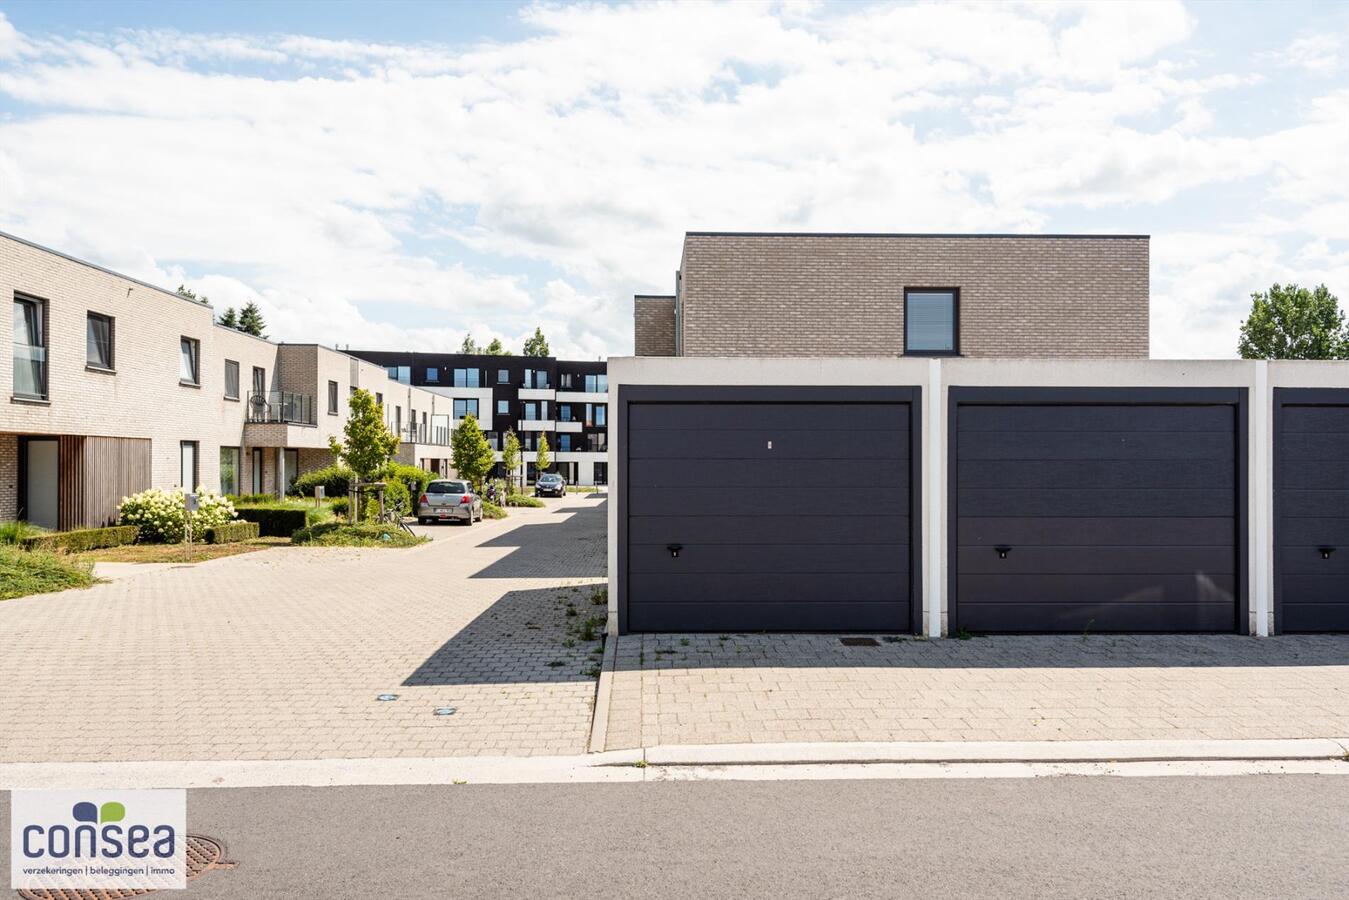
{"points": [[1311, 500], [1094, 511], [765, 509]]}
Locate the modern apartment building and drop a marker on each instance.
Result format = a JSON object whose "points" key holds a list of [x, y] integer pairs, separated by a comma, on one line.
{"points": [[532, 396], [890, 295], [116, 386]]}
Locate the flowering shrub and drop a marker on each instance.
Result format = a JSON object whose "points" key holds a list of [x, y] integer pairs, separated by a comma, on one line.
{"points": [[158, 514]]}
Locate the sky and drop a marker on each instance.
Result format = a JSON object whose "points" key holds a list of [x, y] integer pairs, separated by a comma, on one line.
{"points": [[399, 175]]}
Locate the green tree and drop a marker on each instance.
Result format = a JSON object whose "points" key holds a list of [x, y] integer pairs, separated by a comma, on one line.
{"points": [[185, 291], [469, 345], [471, 454], [510, 457], [369, 444], [250, 320], [1291, 322], [537, 344], [496, 348], [230, 319], [543, 461]]}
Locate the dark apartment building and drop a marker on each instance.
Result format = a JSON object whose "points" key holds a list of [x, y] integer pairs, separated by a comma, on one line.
{"points": [[533, 396]]}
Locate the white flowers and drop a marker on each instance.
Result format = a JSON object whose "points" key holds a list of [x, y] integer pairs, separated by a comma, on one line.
{"points": [[159, 515]]}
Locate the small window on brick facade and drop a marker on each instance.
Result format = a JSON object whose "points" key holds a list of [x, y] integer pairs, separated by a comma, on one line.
{"points": [[932, 321], [332, 398]]}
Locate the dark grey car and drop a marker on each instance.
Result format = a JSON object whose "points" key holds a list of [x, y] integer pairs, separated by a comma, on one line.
{"points": [[550, 484]]}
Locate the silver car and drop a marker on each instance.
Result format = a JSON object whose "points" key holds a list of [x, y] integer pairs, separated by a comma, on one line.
{"points": [[445, 500]]}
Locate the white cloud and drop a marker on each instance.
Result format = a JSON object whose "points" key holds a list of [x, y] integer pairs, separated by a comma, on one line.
{"points": [[348, 186], [1321, 54]]}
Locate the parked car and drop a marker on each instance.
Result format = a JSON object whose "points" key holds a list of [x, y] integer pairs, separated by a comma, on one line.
{"points": [[444, 500], [550, 484]]}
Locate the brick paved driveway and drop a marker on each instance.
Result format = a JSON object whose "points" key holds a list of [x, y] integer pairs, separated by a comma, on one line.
{"points": [[710, 689], [280, 654]]}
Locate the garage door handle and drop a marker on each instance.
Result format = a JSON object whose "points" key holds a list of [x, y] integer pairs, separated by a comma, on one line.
{"points": [[674, 549], [1002, 550], [1325, 551]]}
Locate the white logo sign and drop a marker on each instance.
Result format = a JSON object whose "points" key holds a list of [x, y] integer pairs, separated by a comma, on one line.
{"points": [[98, 839]]}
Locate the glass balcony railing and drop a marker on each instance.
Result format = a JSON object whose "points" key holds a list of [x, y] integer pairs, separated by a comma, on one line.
{"points": [[281, 407], [30, 371]]}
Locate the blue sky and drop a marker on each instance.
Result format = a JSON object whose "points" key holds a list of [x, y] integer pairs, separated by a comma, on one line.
{"points": [[403, 174]]}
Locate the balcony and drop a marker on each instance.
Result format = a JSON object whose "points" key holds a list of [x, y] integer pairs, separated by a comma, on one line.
{"points": [[536, 393], [437, 435], [30, 371], [534, 425], [568, 425], [280, 407], [583, 396]]}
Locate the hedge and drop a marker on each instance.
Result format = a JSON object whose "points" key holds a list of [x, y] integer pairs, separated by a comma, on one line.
{"points": [[415, 479], [82, 539], [340, 534], [232, 532], [522, 500], [274, 521], [336, 481]]}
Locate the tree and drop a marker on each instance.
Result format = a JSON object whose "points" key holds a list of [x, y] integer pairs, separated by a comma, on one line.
{"points": [[469, 345], [537, 345], [1291, 322], [185, 291], [250, 320], [472, 455], [496, 348], [369, 444], [542, 461], [230, 319], [510, 456]]}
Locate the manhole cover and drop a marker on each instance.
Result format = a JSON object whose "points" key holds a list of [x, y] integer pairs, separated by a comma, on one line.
{"points": [[203, 855], [859, 642]]}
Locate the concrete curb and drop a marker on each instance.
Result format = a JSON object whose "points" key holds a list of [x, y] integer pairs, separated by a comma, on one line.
{"points": [[993, 752], [599, 722]]}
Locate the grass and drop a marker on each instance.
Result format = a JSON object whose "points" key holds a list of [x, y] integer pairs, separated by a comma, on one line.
{"points": [[15, 532], [37, 572], [581, 489], [340, 534], [176, 553]]}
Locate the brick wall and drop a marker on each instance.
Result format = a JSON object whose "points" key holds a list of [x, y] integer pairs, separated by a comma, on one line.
{"points": [[841, 296], [9, 477], [653, 325]]}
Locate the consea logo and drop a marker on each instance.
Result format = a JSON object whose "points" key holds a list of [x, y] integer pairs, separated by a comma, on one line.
{"points": [[98, 839]]}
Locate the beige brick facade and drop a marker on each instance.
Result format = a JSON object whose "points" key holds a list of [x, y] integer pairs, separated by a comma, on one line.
{"points": [[144, 396], [843, 295], [653, 325]]}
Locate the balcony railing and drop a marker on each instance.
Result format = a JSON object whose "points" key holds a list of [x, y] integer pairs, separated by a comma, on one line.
{"points": [[425, 434], [30, 371], [281, 406]]}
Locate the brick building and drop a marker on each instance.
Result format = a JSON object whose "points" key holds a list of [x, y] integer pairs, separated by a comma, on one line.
{"points": [[116, 386], [888, 295]]}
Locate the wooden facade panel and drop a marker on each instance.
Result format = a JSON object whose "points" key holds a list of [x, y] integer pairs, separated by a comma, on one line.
{"points": [[95, 474]]}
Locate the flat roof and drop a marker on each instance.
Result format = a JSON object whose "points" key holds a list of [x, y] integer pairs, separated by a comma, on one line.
{"points": [[909, 234]]}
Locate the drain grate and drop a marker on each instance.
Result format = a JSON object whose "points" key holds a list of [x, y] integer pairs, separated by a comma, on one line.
{"points": [[859, 642], [203, 855]]}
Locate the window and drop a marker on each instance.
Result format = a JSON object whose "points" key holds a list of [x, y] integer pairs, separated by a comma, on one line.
{"points": [[30, 348], [379, 399], [597, 384], [503, 407], [187, 465], [599, 442], [229, 468], [189, 361], [98, 342], [600, 414], [401, 374], [432, 374], [531, 411], [231, 380], [257, 470], [467, 377], [601, 473], [259, 381], [465, 408], [332, 398], [932, 321], [565, 378], [503, 376], [398, 420], [564, 412], [564, 442], [447, 487]]}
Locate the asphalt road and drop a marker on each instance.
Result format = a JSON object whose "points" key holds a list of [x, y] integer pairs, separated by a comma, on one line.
{"points": [[1261, 836]]}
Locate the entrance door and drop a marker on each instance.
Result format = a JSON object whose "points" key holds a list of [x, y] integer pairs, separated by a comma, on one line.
{"points": [[42, 466]]}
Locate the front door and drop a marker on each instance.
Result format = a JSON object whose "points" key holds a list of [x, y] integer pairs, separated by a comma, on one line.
{"points": [[41, 468]]}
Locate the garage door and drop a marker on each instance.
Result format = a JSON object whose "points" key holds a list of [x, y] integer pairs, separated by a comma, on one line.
{"points": [[1311, 532], [766, 509], [1092, 511]]}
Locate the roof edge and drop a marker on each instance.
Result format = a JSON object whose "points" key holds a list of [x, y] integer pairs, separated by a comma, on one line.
{"points": [[914, 234]]}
